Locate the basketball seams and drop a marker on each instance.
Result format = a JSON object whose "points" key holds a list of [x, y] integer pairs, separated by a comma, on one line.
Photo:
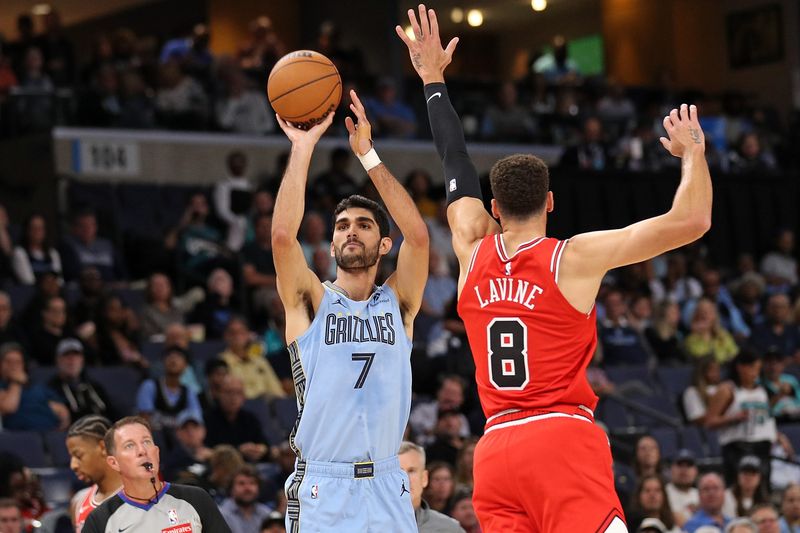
{"points": [[306, 84], [324, 101], [278, 69]]}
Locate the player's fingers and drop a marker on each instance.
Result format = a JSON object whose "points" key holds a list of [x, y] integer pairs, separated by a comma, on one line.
{"points": [[356, 99], [412, 18], [423, 21], [668, 124], [403, 37], [349, 125], [673, 116], [693, 113], [282, 123], [684, 112], [434, 24], [666, 143], [451, 47]]}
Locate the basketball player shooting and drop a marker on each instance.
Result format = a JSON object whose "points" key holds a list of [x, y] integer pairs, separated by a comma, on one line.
{"points": [[350, 345], [527, 302]]}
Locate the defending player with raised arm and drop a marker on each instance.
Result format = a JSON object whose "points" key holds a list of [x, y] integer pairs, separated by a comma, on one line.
{"points": [[349, 345], [527, 302]]}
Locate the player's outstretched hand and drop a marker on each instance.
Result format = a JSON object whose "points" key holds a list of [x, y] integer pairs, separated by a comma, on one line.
{"points": [[361, 131], [427, 55], [683, 131], [310, 136]]}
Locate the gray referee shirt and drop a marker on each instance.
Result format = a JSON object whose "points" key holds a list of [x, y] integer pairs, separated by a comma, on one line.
{"points": [[177, 509]]}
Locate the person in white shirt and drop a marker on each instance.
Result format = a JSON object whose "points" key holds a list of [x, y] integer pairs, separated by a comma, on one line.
{"points": [[683, 496], [232, 199]]}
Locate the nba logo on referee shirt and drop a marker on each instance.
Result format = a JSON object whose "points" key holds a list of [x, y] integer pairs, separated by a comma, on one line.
{"points": [[314, 492], [172, 514]]}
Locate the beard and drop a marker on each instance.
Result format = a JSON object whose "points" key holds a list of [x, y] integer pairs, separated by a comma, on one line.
{"points": [[358, 260], [245, 501]]}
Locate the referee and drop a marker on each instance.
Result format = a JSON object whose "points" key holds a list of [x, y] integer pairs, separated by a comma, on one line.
{"points": [[145, 504]]}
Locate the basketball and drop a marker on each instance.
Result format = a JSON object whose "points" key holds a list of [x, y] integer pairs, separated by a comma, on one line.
{"points": [[304, 87]]}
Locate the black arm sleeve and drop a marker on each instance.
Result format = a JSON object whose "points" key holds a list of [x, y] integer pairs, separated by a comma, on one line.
{"points": [[460, 176]]}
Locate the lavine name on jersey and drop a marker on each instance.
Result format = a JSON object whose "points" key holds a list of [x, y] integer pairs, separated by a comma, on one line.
{"points": [[508, 290], [350, 328]]}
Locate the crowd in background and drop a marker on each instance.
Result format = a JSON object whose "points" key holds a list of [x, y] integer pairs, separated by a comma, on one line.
{"points": [[210, 279]]}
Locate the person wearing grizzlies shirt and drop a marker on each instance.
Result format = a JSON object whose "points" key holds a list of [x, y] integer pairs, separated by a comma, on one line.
{"points": [[350, 346], [146, 504]]}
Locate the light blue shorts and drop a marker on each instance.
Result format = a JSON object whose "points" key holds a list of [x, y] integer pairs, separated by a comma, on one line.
{"points": [[347, 497]]}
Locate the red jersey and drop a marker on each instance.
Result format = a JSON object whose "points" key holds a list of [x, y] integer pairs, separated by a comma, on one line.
{"points": [[85, 505], [531, 347]]}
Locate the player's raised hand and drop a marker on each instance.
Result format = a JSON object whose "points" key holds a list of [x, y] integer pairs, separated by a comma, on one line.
{"points": [[683, 131], [427, 55], [361, 131], [307, 137]]}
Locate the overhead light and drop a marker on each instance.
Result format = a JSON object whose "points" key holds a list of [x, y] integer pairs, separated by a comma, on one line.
{"points": [[457, 15], [410, 32], [41, 9], [474, 18], [539, 5]]}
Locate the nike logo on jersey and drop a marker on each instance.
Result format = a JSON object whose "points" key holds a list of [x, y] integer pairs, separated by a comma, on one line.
{"points": [[339, 301], [126, 528], [434, 95], [403, 489]]}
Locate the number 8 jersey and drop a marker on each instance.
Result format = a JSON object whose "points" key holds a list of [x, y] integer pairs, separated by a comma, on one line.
{"points": [[531, 347]]}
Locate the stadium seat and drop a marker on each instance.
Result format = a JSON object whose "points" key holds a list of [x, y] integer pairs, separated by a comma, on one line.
{"points": [[133, 298], [691, 438], [625, 374], [20, 296], [285, 411], [152, 351], [612, 414], [121, 383], [139, 211], [206, 350], [792, 432], [273, 432], [57, 485], [27, 445], [674, 379], [56, 444], [667, 440], [41, 374], [658, 403], [712, 442]]}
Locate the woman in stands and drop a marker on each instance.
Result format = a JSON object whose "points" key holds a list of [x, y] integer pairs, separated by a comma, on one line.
{"points": [[35, 256], [707, 336], [87, 452], [650, 501], [706, 378]]}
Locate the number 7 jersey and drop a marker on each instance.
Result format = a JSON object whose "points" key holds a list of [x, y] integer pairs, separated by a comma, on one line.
{"points": [[531, 347]]}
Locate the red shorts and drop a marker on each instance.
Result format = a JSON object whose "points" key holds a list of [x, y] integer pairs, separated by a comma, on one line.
{"points": [[551, 474]]}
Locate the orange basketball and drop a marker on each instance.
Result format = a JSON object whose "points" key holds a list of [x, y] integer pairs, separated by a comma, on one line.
{"points": [[304, 87]]}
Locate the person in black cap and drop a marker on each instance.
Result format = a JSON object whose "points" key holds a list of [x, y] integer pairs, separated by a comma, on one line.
{"points": [[740, 411], [274, 523], [81, 395], [189, 453], [681, 492], [749, 489]]}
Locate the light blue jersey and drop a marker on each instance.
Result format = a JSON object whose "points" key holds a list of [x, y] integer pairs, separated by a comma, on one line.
{"points": [[352, 372], [352, 375]]}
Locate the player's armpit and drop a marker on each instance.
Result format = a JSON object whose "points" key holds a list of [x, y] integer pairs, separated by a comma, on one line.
{"points": [[469, 222]]}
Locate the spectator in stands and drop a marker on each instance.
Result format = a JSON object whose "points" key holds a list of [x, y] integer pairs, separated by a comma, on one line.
{"points": [[766, 517], [448, 439], [647, 460], [25, 405], [82, 395], [707, 336], [258, 268], [739, 410], [52, 329], [8, 79], [243, 109], [641, 151], [750, 158], [59, 57], [118, 334], [779, 267], [275, 522], [390, 117], [440, 290], [677, 286], [730, 316], [86, 311], [441, 486], [591, 152], [664, 336], [30, 319], [263, 204], [10, 516], [161, 401], [215, 372], [706, 377], [197, 243], [83, 248], [181, 102], [749, 488], [748, 291], [616, 109], [777, 332], [790, 508], [191, 53], [229, 423], [464, 465], [35, 254], [189, 452], [34, 77], [349, 61], [101, 105], [622, 345], [464, 513], [783, 389], [9, 331], [737, 525], [650, 501], [137, 109], [263, 49], [681, 493], [711, 488], [506, 120], [218, 308], [640, 313], [424, 416], [412, 460], [242, 510], [332, 184], [245, 359], [160, 310], [419, 186], [313, 239], [225, 461]]}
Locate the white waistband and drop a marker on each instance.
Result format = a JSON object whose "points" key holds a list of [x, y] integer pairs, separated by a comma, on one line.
{"points": [[535, 418]]}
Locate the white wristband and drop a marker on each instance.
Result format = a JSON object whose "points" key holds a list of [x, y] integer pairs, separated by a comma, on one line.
{"points": [[370, 160]]}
